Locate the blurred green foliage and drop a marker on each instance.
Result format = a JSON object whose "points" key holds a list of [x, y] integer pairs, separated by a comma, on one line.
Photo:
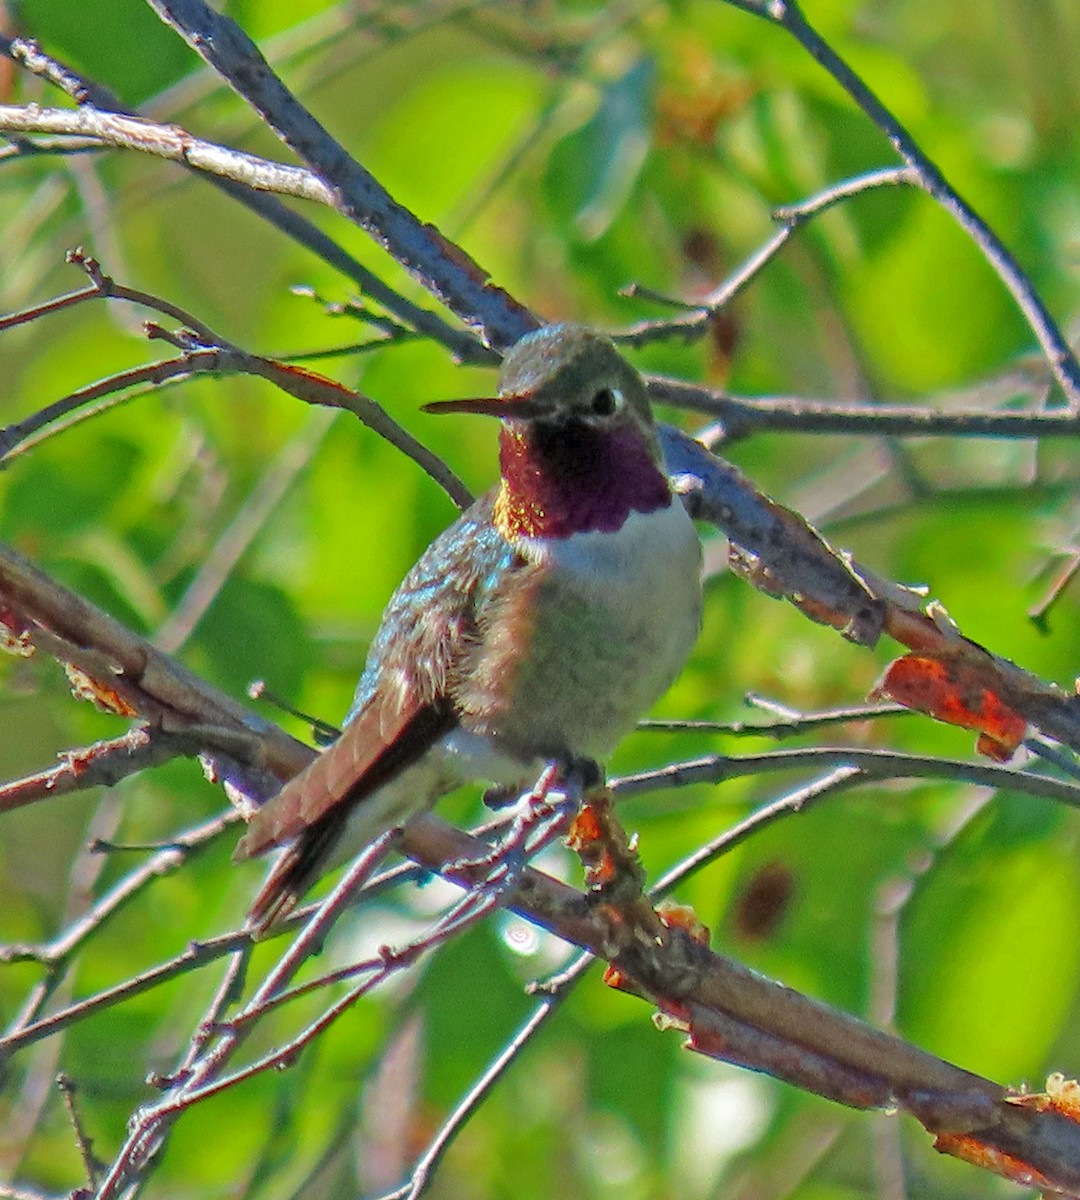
{"points": [[573, 148]]}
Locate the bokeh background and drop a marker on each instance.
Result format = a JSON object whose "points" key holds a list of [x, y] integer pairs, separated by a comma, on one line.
{"points": [[573, 149]]}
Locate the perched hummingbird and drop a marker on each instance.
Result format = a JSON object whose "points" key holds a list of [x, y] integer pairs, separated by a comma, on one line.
{"points": [[537, 629]]}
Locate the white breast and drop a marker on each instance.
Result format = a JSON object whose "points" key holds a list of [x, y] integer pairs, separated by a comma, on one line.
{"points": [[655, 556], [635, 596]]}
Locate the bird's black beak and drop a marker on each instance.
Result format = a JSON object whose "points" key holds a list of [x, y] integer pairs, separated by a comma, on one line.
{"points": [[520, 407]]}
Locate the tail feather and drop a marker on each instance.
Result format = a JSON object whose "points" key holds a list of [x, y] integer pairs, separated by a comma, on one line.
{"points": [[296, 869], [310, 812]]}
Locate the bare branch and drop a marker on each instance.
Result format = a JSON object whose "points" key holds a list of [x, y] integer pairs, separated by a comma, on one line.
{"points": [[790, 218], [100, 765], [787, 726], [86, 92], [804, 1041], [196, 954], [440, 266], [15, 435], [796, 560], [204, 351], [741, 416], [184, 847], [789, 16], [171, 143], [91, 1164], [162, 691], [424, 1167], [783, 555], [870, 764]]}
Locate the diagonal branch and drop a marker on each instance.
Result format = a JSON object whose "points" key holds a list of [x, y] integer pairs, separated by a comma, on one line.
{"points": [[789, 16], [90, 95], [41, 613], [204, 351], [171, 143], [100, 765], [790, 218], [783, 555], [731, 1011], [440, 266]]}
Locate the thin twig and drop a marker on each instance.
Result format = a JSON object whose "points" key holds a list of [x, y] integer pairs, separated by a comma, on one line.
{"points": [[228, 993], [91, 1163], [14, 435], [90, 96], [789, 726], [196, 954], [789, 16], [208, 353], [424, 1167], [841, 779], [740, 416], [872, 764], [1039, 613], [181, 849], [444, 269], [149, 1129], [101, 765], [790, 217]]}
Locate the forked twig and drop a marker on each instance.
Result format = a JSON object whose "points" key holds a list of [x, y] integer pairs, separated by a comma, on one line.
{"points": [[788, 15]]}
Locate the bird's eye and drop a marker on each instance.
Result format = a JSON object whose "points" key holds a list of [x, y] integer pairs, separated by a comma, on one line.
{"points": [[605, 402]]}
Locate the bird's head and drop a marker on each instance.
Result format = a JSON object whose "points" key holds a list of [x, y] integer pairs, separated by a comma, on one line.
{"points": [[579, 450], [566, 377]]}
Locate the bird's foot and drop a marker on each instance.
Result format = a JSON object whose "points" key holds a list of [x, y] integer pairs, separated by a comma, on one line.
{"points": [[542, 814], [584, 773], [500, 796]]}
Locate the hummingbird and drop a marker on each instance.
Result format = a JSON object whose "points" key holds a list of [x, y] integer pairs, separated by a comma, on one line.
{"points": [[534, 631]]}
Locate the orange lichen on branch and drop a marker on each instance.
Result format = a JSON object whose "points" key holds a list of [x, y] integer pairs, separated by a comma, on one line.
{"points": [[585, 839], [971, 1149], [608, 855], [616, 881], [950, 691], [682, 916], [108, 699], [614, 978], [1061, 1096], [15, 634]]}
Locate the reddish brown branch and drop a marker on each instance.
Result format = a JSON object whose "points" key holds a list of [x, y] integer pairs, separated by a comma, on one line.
{"points": [[732, 1012], [725, 1008], [46, 615], [100, 765], [781, 554], [205, 352]]}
